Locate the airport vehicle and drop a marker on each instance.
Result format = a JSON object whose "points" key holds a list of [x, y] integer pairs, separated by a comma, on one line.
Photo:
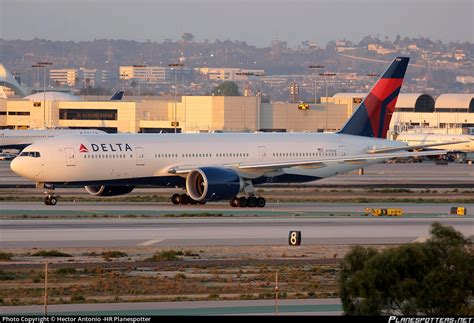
{"points": [[219, 166], [19, 139], [7, 156], [456, 145], [379, 212]]}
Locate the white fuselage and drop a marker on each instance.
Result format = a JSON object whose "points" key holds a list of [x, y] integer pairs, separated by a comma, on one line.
{"points": [[466, 141], [23, 138], [103, 158]]}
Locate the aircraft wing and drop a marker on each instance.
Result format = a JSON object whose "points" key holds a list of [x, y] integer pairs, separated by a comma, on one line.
{"points": [[414, 147], [275, 165]]}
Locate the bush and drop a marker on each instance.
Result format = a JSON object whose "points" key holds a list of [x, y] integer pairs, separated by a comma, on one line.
{"points": [[66, 271], [179, 276], [77, 298], [5, 256], [165, 255], [113, 254], [50, 253], [5, 275], [432, 278]]}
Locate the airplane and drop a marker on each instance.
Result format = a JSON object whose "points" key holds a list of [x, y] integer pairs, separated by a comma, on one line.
{"points": [[219, 166], [451, 143], [20, 139]]}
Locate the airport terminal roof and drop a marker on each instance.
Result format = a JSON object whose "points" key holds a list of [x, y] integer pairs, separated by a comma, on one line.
{"points": [[455, 101], [419, 102], [53, 96]]}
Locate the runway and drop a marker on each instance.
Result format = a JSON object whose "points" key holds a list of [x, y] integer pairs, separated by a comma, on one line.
{"points": [[327, 306], [226, 231]]}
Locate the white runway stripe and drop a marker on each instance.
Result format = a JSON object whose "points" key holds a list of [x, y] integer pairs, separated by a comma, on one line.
{"points": [[148, 243]]}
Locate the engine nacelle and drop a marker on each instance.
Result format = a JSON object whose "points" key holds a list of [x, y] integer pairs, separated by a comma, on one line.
{"points": [[102, 190], [213, 184]]}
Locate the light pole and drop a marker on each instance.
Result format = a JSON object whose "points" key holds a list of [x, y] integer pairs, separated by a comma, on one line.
{"points": [[43, 66], [175, 66], [314, 68], [123, 76], [326, 75]]}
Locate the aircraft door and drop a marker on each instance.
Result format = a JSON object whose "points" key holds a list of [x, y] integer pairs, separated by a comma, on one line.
{"points": [[140, 156], [70, 157], [342, 150], [262, 152]]}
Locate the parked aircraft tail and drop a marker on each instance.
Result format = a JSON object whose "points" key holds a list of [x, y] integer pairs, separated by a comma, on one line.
{"points": [[118, 95], [372, 118]]}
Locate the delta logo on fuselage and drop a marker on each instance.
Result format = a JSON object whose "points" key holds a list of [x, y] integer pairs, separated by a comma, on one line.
{"points": [[105, 148]]}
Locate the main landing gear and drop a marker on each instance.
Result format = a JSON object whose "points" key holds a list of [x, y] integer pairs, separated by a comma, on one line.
{"points": [[49, 198], [251, 201], [184, 199]]}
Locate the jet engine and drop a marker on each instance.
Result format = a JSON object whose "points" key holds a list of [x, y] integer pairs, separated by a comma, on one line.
{"points": [[102, 190], [213, 184]]}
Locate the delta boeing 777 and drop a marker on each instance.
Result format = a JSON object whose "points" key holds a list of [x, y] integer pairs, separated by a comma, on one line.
{"points": [[217, 167]]}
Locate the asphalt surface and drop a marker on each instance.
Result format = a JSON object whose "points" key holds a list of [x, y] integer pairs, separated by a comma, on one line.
{"points": [[328, 306], [227, 231]]}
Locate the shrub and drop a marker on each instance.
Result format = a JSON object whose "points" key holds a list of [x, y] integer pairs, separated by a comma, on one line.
{"points": [[5, 256], [66, 271], [165, 255], [51, 253], [114, 254], [77, 298]]}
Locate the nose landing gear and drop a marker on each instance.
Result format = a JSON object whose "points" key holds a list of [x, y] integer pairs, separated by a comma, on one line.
{"points": [[49, 198]]}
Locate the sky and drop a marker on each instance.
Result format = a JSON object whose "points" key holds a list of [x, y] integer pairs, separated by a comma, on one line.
{"points": [[257, 22]]}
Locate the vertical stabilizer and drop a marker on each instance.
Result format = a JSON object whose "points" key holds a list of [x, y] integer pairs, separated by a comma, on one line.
{"points": [[372, 118]]}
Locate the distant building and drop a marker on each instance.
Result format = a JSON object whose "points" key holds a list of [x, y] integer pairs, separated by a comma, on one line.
{"points": [[63, 76], [144, 73], [229, 74], [88, 76]]}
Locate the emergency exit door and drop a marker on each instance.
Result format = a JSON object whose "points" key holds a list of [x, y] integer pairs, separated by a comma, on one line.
{"points": [[140, 156], [70, 157]]}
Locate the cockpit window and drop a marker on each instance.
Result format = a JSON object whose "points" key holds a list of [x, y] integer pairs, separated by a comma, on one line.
{"points": [[34, 154]]}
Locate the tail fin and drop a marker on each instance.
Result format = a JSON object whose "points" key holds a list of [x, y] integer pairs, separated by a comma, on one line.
{"points": [[117, 96], [372, 118]]}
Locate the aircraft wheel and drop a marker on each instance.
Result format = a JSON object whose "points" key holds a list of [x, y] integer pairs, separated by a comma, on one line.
{"points": [[234, 202], [183, 199], [175, 199], [261, 202], [242, 201], [252, 201], [53, 200]]}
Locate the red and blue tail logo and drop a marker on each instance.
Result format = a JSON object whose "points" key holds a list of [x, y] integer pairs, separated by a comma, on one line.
{"points": [[372, 118]]}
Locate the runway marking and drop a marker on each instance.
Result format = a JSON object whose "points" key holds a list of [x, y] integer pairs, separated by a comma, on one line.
{"points": [[148, 243]]}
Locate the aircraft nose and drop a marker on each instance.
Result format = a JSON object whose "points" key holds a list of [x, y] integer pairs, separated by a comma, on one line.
{"points": [[18, 166], [15, 165]]}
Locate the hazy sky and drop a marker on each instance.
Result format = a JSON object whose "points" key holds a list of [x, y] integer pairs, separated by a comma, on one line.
{"points": [[257, 22]]}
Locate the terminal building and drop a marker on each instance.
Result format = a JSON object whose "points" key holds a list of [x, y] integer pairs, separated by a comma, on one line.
{"points": [[224, 114]]}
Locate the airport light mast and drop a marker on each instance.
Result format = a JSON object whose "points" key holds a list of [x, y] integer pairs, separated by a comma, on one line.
{"points": [[326, 75], [43, 66], [175, 66], [314, 67]]}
